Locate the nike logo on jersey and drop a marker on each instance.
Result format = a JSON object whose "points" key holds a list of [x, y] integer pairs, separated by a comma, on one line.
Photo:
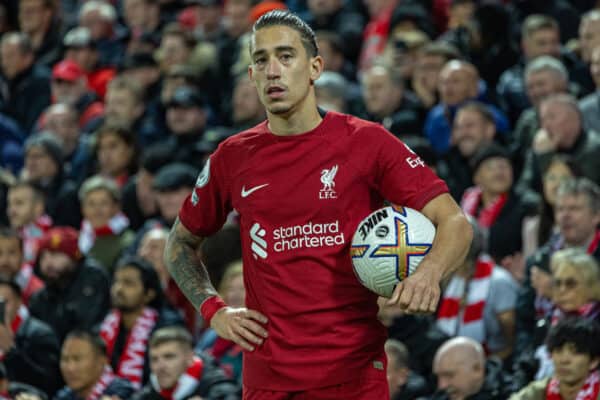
{"points": [[246, 193]]}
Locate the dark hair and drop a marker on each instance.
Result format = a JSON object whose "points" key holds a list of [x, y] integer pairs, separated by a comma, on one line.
{"points": [[480, 108], [124, 133], [92, 338], [171, 334], [580, 332], [9, 233], [12, 284], [38, 192], [148, 274], [334, 40], [174, 29], [155, 157], [291, 20]]}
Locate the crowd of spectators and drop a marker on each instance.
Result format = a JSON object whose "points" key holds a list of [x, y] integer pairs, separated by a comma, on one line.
{"points": [[109, 109]]}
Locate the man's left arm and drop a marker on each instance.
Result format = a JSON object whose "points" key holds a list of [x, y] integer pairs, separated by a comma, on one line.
{"points": [[420, 292]]}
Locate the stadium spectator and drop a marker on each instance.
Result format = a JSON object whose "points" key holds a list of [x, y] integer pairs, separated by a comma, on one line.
{"points": [[247, 110], [428, 65], [590, 109], [29, 347], [332, 93], [17, 390], [100, 18], [76, 295], [116, 152], [40, 21], [331, 48], [589, 35], [404, 383], [142, 16], [86, 371], [177, 373]]}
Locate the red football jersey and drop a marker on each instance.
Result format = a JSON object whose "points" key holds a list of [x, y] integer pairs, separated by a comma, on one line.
{"points": [[300, 199]]}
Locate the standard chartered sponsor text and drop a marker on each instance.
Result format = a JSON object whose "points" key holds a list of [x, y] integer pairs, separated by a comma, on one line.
{"points": [[307, 236]]}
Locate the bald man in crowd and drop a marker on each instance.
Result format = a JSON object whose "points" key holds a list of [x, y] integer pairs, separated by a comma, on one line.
{"points": [[458, 84], [463, 372]]}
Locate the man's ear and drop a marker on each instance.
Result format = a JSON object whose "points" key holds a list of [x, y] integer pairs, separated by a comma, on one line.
{"points": [[316, 68]]}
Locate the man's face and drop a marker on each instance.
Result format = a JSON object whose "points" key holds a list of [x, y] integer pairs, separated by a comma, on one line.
{"points": [[494, 175], [12, 60], [543, 83], [562, 123], [543, 42], [11, 257], [152, 249], [98, 207], [135, 13], [11, 302], [64, 124], [185, 120], [570, 366], [127, 291], [55, 265], [80, 364], [457, 85], [168, 361], [114, 154], [121, 106], [34, 16], [576, 219], [428, 68], [23, 206], [39, 165], [67, 92], [281, 70], [380, 93], [85, 57], [169, 202], [397, 375], [236, 17], [99, 27], [173, 51], [471, 131], [589, 38], [246, 103], [457, 377]]}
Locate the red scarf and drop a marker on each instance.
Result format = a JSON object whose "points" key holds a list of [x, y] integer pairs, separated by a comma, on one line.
{"points": [[594, 243], [105, 379], [88, 234], [186, 384], [589, 391], [470, 323], [28, 282], [131, 363], [32, 234], [486, 216]]}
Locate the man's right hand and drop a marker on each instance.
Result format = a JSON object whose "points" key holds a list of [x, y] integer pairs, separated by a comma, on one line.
{"points": [[240, 325]]}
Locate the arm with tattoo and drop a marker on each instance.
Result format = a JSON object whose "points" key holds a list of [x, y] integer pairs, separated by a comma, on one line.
{"points": [[185, 266]]}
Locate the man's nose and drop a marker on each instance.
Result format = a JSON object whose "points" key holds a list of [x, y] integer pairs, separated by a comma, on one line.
{"points": [[273, 68]]}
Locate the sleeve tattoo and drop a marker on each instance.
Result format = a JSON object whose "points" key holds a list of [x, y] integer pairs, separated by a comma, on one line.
{"points": [[185, 265]]}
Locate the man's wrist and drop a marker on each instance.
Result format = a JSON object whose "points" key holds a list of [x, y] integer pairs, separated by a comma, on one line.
{"points": [[210, 307]]}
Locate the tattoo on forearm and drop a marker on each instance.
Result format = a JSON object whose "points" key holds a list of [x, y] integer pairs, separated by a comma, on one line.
{"points": [[185, 266]]}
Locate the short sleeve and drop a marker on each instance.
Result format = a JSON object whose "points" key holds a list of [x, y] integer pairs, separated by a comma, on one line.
{"points": [[205, 210], [402, 177]]}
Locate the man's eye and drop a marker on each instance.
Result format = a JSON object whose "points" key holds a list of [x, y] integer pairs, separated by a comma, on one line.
{"points": [[259, 61], [286, 57]]}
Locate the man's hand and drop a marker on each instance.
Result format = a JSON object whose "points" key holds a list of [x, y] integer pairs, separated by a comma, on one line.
{"points": [[420, 292], [544, 142], [241, 326], [7, 338]]}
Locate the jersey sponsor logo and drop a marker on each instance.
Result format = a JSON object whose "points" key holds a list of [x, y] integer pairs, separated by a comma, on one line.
{"points": [[202, 180], [246, 193], [327, 179], [309, 235], [415, 162], [259, 244]]}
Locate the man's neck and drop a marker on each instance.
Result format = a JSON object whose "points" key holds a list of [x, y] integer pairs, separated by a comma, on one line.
{"points": [[86, 391], [303, 120], [570, 391], [128, 318]]}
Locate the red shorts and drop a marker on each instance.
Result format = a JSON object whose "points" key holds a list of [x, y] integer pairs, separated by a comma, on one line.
{"points": [[371, 386]]}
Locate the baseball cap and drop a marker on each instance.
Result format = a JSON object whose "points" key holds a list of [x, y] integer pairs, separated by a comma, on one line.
{"points": [[67, 70], [78, 37], [175, 176], [186, 97]]}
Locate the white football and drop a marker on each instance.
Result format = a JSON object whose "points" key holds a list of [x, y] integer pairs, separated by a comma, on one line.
{"points": [[388, 246]]}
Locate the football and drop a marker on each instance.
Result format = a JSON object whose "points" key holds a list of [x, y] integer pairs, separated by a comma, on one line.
{"points": [[388, 246]]}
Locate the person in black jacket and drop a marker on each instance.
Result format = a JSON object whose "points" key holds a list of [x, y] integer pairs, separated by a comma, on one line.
{"points": [[179, 374], [29, 346], [464, 373], [86, 371], [404, 383], [76, 295], [11, 390]]}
